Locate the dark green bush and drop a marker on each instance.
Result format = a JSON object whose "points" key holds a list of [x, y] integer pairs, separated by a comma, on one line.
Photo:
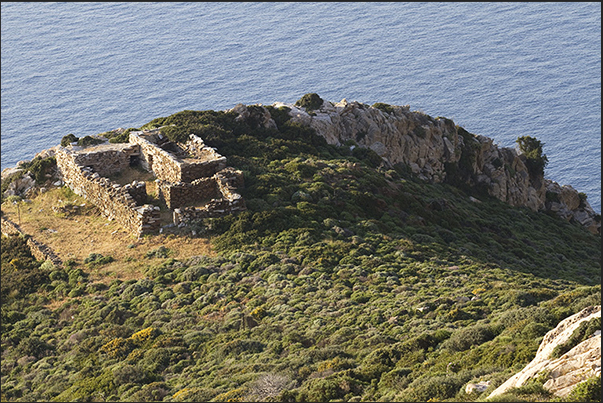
{"points": [[89, 141], [160, 252], [463, 339], [536, 161], [40, 168], [279, 115], [383, 107], [68, 139], [310, 101], [123, 137], [587, 391], [97, 259]]}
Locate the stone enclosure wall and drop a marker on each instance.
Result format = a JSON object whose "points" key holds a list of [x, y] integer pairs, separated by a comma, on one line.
{"points": [[39, 250], [184, 163], [189, 173], [114, 201], [227, 201], [181, 194], [107, 160]]}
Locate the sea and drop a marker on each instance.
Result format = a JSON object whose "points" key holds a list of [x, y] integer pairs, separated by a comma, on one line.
{"points": [[498, 69]]}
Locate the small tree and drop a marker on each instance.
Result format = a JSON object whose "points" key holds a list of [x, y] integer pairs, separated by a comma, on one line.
{"points": [[532, 149], [14, 199]]}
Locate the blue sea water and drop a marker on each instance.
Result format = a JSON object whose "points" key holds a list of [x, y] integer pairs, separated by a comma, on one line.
{"points": [[501, 70]]}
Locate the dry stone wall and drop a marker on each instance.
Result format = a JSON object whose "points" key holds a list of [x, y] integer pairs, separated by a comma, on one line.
{"points": [[138, 191], [154, 159], [109, 160], [227, 202], [114, 201], [39, 250], [180, 194], [194, 170], [204, 161]]}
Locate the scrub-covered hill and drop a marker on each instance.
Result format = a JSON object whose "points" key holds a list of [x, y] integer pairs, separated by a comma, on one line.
{"points": [[347, 279]]}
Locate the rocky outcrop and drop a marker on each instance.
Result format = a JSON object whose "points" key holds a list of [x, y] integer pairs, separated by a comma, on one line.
{"points": [[564, 373], [22, 186], [437, 150], [570, 205]]}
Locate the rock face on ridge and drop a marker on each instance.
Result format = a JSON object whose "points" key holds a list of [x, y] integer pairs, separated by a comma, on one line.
{"points": [[437, 150], [578, 364]]}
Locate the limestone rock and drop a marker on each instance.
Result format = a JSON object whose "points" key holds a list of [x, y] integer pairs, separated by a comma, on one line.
{"points": [[7, 172], [427, 146], [21, 187], [580, 363], [477, 387]]}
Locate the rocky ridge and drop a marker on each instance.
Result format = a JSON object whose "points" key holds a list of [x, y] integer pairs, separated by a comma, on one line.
{"points": [[437, 150]]}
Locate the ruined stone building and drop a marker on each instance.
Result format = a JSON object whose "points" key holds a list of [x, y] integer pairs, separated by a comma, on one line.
{"points": [[192, 179]]}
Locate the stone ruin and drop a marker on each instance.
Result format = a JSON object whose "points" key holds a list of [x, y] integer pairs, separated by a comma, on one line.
{"points": [[192, 179]]}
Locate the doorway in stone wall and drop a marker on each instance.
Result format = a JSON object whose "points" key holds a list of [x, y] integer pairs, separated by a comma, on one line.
{"points": [[134, 160]]}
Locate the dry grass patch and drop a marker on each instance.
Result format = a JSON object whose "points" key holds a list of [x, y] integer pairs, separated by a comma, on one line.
{"points": [[130, 174], [74, 229]]}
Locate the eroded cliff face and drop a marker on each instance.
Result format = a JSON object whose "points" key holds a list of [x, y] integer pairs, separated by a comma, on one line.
{"points": [[437, 150], [564, 373]]}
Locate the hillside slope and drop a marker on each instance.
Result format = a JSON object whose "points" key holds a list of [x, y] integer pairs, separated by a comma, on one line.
{"points": [[347, 279]]}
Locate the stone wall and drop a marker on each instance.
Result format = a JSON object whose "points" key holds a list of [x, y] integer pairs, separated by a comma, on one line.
{"points": [[114, 201], [138, 191], [154, 159], [199, 169], [39, 250], [107, 160], [228, 202], [181, 194], [204, 161]]}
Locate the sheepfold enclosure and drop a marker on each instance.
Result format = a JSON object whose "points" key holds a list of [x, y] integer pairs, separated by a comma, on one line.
{"points": [[191, 176]]}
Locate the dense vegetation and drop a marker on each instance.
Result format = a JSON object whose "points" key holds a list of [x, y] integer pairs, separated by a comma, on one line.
{"points": [[532, 149], [344, 281]]}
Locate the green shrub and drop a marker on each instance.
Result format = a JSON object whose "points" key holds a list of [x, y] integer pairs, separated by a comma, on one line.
{"points": [[68, 139], [436, 388], [238, 347], [160, 252], [536, 161], [39, 168], [586, 391], [383, 107], [310, 101], [97, 259], [463, 339], [279, 115], [89, 141], [123, 137], [34, 346]]}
